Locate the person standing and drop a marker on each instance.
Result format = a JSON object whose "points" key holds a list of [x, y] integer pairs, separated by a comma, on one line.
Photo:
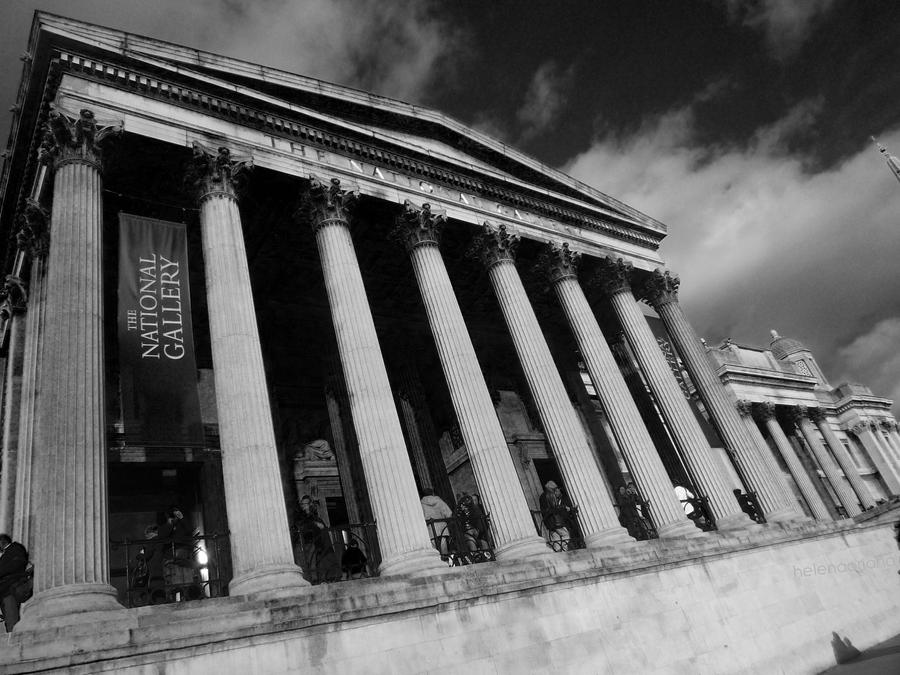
{"points": [[13, 569]]}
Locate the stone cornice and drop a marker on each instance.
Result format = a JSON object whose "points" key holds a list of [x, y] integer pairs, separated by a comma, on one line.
{"points": [[287, 126], [731, 373], [418, 226]]}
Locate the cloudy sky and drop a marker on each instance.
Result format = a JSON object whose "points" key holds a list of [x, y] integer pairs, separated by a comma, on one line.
{"points": [[742, 124]]}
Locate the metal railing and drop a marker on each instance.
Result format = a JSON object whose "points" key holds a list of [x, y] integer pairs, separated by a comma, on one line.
{"points": [[462, 540], [635, 517], [567, 538], [165, 570], [338, 553], [749, 503], [701, 513]]}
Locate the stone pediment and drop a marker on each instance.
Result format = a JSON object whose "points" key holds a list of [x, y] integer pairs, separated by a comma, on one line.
{"points": [[392, 124]]}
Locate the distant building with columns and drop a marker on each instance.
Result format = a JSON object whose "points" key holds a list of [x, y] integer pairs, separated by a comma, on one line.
{"points": [[259, 316]]}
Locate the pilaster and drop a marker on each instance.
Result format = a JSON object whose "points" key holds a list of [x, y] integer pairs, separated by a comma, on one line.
{"points": [[14, 300], [880, 458], [839, 452], [495, 247]]}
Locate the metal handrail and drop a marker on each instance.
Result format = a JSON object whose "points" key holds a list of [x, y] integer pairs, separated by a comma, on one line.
{"points": [[462, 540], [642, 527], [338, 553], [556, 542]]}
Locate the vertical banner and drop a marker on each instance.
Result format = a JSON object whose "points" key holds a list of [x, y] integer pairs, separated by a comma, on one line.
{"points": [[668, 350], [157, 368]]}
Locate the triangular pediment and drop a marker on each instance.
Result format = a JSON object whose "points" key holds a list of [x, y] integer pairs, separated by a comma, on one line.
{"points": [[430, 134]]}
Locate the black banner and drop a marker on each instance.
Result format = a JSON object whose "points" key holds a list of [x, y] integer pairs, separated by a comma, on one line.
{"points": [[157, 369], [668, 349]]}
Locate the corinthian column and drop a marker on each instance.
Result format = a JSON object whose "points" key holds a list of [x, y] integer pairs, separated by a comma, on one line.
{"points": [[561, 266], [765, 412], [843, 459], [745, 410], [880, 458], [260, 542], [70, 527], [614, 278], [661, 291], [34, 240], [402, 534], [13, 312], [584, 482], [419, 230], [801, 417]]}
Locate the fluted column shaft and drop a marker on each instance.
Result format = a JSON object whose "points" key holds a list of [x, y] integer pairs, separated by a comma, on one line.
{"points": [[12, 401], [846, 464], [402, 533], [795, 466], [679, 418], [70, 526], [416, 448], [23, 513], [624, 418], [342, 456], [261, 549], [584, 482], [881, 459], [841, 489], [660, 290], [485, 443]]}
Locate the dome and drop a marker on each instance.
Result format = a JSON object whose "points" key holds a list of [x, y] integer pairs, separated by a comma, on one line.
{"points": [[782, 347]]}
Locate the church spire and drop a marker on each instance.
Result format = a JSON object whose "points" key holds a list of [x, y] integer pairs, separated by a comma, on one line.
{"points": [[892, 162]]}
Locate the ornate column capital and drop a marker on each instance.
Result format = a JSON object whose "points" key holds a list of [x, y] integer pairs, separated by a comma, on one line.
{"points": [[417, 226], [559, 262], [797, 413], [613, 275], [33, 235], [816, 414], [494, 245], [764, 411], [890, 425], [217, 171], [873, 424], [660, 288], [14, 296], [71, 137], [859, 427], [744, 407], [328, 203]]}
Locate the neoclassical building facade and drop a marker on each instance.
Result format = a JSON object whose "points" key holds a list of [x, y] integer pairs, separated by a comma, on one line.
{"points": [[376, 301]]}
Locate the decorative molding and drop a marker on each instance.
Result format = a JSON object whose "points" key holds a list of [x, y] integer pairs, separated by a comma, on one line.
{"points": [[558, 262], [659, 288], [217, 172], [764, 411], [329, 204], [282, 126], [613, 275], [33, 235], [71, 137], [494, 245], [417, 226]]}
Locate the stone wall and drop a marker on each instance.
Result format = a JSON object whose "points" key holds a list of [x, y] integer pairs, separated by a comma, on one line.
{"points": [[761, 602]]}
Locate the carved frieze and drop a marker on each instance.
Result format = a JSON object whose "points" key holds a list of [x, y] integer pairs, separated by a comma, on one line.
{"points": [[494, 245], [329, 203], [419, 226], [558, 262], [659, 288], [217, 171], [71, 137]]}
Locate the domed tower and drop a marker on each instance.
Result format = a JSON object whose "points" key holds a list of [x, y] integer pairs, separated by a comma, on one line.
{"points": [[794, 351]]}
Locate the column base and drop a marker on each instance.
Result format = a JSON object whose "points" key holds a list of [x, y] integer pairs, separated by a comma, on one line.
{"points": [[422, 561], [737, 521], [608, 537], [68, 604], [679, 530], [268, 580], [528, 547]]}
